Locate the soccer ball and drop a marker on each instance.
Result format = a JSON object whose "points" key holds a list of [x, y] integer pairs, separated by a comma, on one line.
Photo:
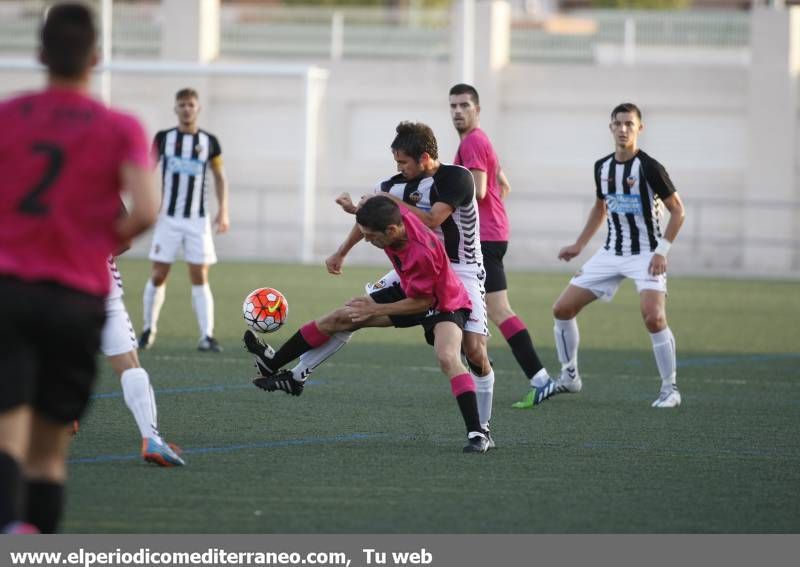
{"points": [[265, 310]]}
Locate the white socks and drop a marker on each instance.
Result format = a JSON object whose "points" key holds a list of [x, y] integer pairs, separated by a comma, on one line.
{"points": [[484, 391], [567, 340], [140, 400], [203, 305], [664, 350], [152, 300], [540, 379], [309, 360]]}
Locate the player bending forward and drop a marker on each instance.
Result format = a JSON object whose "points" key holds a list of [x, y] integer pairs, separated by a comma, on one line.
{"points": [[427, 285]]}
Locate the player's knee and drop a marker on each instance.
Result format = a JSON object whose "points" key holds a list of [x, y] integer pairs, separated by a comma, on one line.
{"points": [[448, 357], [563, 311], [158, 279], [655, 321], [50, 467]]}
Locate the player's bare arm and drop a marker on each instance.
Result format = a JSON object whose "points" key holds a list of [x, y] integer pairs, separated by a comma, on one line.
{"points": [[433, 218], [222, 221], [480, 183], [597, 215], [363, 308], [335, 261], [503, 185], [673, 203], [137, 182]]}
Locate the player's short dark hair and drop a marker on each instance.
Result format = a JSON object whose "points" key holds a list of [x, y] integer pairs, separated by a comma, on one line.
{"points": [[188, 92], [415, 139], [68, 37], [378, 213], [464, 88], [626, 107]]}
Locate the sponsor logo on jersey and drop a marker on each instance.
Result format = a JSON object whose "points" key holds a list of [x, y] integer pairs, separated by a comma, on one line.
{"points": [[186, 166], [624, 204]]}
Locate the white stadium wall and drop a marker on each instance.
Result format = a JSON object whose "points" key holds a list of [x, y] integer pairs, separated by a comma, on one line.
{"points": [[548, 124]]}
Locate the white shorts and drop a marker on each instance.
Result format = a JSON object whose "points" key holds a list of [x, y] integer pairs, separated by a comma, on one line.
{"points": [[193, 234], [603, 273], [118, 335], [473, 279]]}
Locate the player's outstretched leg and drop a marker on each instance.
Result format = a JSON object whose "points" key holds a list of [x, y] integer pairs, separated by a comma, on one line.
{"points": [[269, 361]]}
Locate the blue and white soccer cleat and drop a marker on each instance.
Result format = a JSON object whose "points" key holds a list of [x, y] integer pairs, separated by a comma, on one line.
{"points": [[668, 399], [161, 454], [536, 395]]}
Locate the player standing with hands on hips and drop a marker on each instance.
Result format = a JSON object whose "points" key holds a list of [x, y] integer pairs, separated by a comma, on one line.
{"points": [[631, 187], [66, 158], [185, 153]]}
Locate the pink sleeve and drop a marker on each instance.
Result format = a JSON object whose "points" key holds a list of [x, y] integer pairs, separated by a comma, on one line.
{"points": [[135, 147], [472, 154]]}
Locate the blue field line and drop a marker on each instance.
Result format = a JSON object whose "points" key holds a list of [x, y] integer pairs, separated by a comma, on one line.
{"points": [[242, 447], [213, 388], [727, 360]]}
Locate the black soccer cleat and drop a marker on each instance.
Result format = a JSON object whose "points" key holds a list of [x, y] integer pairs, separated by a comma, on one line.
{"points": [[209, 344], [262, 351], [477, 442], [146, 339], [283, 380]]}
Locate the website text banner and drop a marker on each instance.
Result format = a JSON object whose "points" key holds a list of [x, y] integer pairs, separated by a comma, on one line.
{"points": [[368, 550]]}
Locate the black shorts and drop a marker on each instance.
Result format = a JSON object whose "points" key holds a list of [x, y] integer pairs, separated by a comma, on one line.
{"points": [[428, 320], [49, 338], [493, 253]]}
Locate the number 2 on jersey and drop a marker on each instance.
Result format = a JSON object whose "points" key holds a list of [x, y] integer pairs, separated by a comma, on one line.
{"points": [[31, 204]]}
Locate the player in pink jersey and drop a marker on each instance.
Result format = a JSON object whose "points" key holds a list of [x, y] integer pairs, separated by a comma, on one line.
{"points": [[66, 158], [475, 152], [428, 285]]}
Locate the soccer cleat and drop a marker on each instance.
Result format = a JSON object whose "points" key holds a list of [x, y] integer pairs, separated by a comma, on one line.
{"points": [[478, 442], [209, 344], [283, 380], [146, 339], [160, 453], [670, 399], [569, 381], [536, 395], [262, 351], [491, 444]]}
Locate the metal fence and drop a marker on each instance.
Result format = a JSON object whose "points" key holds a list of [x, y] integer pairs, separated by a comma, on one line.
{"points": [[320, 33]]}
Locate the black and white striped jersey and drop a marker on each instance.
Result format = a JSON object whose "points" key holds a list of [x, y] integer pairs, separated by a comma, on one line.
{"points": [[184, 162], [633, 191], [454, 185]]}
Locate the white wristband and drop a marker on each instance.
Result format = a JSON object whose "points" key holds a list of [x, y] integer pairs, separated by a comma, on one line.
{"points": [[663, 247]]}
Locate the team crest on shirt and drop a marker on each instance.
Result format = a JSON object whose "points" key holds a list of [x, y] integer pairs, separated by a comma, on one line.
{"points": [[631, 181], [198, 149], [415, 197]]}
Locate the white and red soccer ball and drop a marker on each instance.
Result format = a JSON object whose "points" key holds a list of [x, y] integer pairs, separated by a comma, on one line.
{"points": [[265, 310]]}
